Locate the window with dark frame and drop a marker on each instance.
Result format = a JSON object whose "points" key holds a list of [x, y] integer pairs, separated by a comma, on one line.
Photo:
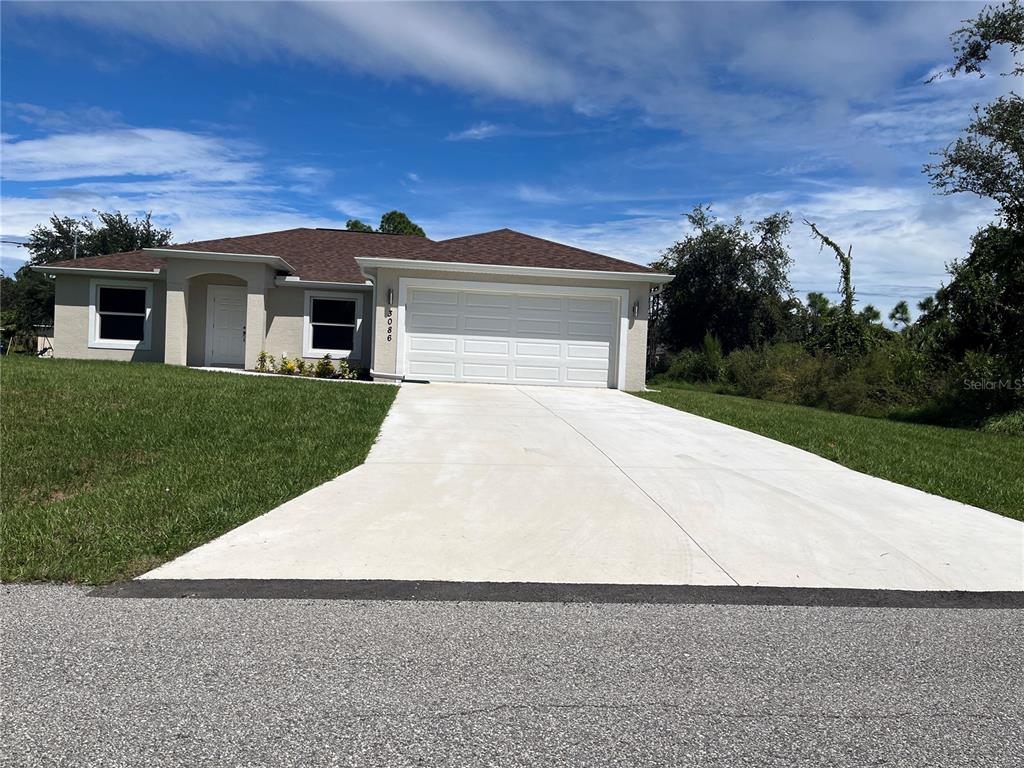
{"points": [[333, 323], [121, 313]]}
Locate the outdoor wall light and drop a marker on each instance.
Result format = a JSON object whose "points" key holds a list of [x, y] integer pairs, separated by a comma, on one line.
{"points": [[391, 296], [636, 309]]}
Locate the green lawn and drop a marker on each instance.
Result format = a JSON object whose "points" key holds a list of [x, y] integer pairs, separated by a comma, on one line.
{"points": [[108, 469], [986, 470]]}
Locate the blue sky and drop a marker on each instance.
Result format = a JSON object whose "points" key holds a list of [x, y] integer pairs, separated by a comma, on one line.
{"points": [[595, 125]]}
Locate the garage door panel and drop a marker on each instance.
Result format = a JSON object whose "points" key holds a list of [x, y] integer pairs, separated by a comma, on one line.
{"points": [[420, 296], [485, 347], [533, 326], [488, 325], [447, 344], [536, 349], [546, 374], [577, 330], [473, 335], [588, 351], [586, 375], [602, 306], [542, 303], [482, 371], [432, 368], [422, 321], [497, 300]]}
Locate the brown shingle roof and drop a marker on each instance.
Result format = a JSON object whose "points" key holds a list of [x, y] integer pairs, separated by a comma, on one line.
{"points": [[316, 254], [330, 254], [511, 248], [136, 261]]}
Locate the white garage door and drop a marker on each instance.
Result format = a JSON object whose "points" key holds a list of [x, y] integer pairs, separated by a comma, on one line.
{"points": [[515, 338]]}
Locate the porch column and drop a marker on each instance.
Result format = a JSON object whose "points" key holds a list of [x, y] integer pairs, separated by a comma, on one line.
{"points": [[176, 322], [255, 317]]}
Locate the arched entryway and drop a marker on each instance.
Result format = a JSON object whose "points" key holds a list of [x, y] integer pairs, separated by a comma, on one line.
{"points": [[216, 312]]}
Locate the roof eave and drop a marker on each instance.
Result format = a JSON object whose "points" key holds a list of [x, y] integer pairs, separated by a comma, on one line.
{"points": [[94, 271], [274, 262], [377, 262]]}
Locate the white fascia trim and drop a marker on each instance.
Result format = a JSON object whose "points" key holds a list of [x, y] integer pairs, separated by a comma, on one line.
{"points": [[621, 295], [496, 270], [258, 258], [292, 281], [97, 272]]}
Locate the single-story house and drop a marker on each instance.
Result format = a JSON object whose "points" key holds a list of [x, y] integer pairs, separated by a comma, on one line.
{"points": [[499, 306]]}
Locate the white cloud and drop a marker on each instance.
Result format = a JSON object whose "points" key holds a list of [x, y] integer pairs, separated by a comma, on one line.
{"points": [[200, 186], [483, 130], [354, 206], [125, 152], [530, 193]]}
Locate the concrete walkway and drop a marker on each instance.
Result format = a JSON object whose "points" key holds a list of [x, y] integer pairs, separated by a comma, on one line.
{"points": [[536, 484]]}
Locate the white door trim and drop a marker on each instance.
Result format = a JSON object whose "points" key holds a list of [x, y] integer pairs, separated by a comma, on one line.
{"points": [[620, 294], [208, 353]]}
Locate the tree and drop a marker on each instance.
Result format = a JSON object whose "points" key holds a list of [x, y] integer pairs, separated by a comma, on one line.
{"points": [[994, 25], [870, 314], [67, 238], [355, 225], [731, 282], [397, 223], [981, 309], [900, 315], [27, 298], [845, 265], [988, 159], [845, 334]]}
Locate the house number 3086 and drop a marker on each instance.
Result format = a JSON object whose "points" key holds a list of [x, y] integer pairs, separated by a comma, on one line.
{"points": [[391, 322]]}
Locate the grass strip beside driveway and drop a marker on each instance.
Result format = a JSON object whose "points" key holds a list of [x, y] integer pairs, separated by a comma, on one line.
{"points": [[109, 469], [976, 468]]}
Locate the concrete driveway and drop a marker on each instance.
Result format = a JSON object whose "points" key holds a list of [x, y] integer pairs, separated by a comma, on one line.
{"points": [[536, 484]]}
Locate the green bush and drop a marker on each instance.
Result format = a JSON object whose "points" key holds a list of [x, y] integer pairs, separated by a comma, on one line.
{"points": [[265, 363], [325, 368], [287, 367], [1011, 423], [684, 366]]}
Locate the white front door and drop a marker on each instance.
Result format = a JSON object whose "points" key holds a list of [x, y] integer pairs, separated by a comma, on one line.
{"points": [[225, 329], [510, 337]]}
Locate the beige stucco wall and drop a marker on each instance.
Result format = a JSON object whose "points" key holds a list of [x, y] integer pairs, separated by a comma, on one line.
{"points": [[71, 322], [184, 273], [385, 353], [285, 312]]}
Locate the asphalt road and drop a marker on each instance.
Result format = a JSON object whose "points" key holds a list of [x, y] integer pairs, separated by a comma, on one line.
{"points": [[159, 682]]}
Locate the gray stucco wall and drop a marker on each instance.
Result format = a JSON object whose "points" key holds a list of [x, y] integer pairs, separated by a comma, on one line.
{"points": [[71, 322], [386, 353], [285, 309]]}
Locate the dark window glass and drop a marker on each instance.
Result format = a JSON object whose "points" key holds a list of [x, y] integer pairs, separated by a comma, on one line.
{"points": [[332, 337], [122, 327], [123, 300], [333, 311]]}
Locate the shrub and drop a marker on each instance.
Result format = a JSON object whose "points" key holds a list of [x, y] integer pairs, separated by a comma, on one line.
{"points": [[710, 367], [300, 366], [287, 367], [684, 366], [265, 363], [1011, 423], [325, 368], [345, 372]]}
